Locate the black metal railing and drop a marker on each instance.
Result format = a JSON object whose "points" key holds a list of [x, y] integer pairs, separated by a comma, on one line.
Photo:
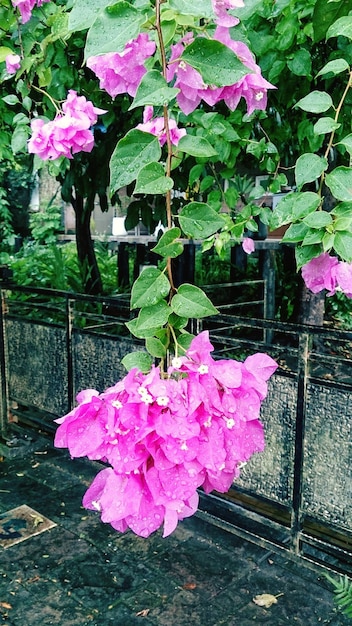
{"points": [[296, 495]]}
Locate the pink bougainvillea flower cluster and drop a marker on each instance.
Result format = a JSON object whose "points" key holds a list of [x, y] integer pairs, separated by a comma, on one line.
{"points": [[156, 127], [252, 87], [70, 132], [26, 7], [121, 72], [221, 7], [163, 438], [248, 245], [13, 63], [327, 272]]}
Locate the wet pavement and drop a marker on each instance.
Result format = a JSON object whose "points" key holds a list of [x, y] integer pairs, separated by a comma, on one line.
{"points": [[81, 572]]}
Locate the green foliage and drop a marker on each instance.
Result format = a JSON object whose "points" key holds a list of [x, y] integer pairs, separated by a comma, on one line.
{"points": [[343, 593], [45, 224], [6, 229], [56, 267]]}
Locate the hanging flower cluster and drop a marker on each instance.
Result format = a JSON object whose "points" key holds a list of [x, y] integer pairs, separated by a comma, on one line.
{"points": [[165, 437], [26, 7], [252, 87], [156, 127], [327, 272], [121, 72], [70, 132]]}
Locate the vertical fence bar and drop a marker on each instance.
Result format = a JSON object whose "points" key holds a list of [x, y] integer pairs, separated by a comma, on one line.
{"points": [[268, 273], [3, 367], [69, 352], [303, 371]]}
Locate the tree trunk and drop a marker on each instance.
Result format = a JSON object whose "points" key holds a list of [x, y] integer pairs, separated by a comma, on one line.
{"points": [[91, 278]]}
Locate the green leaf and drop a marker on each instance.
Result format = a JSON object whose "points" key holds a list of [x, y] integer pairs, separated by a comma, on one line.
{"points": [[304, 254], [315, 102], [217, 63], [138, 359], [190, 301], [201, 8], [318, 219], [325, 125], [334, 67], [308, 168], [347, 143], [4, 51], [11, 99], [150, 287], [153, 317], [154, 90], [84, 14], [343, 245], [132, 152], [342, 27], [343, 209], [184, 340], [168, 30], [198, 220], [294, 206], [155, 347], [151, 179], [196, 146], [295, 233], [113, 28], [140, 333], [19, 139], [313, 237], [328, 241], [339, 182], [301, 63], [177, 322], [325, 13], [168, 246]]}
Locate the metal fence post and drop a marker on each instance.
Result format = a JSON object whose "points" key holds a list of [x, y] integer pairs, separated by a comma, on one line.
{"points": [[69, 352], [303, 371], [3, 367]]}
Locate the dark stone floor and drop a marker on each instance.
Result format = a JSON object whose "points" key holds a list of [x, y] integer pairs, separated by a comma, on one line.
{"points": [[83, 573]]}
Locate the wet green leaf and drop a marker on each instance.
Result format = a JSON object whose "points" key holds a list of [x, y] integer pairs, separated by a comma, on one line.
{"points": [[308, 168], [196, 146], [339, 182], [315, 102], [198, 220], [139, 359], [168, 246], [190, 301], [132, 152], [151, 179], [153, 90], [217, 63], [150, 287]]}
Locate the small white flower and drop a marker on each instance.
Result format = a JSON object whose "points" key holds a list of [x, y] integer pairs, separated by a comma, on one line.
{"points": [[162, 400], [230, 423], [116, 404], [176, 362], [147, 398], [96, 505], [259, 96], [184, 446], [203, 369]]}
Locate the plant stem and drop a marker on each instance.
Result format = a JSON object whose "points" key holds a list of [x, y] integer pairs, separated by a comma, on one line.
{"points": [[168, 138]]}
